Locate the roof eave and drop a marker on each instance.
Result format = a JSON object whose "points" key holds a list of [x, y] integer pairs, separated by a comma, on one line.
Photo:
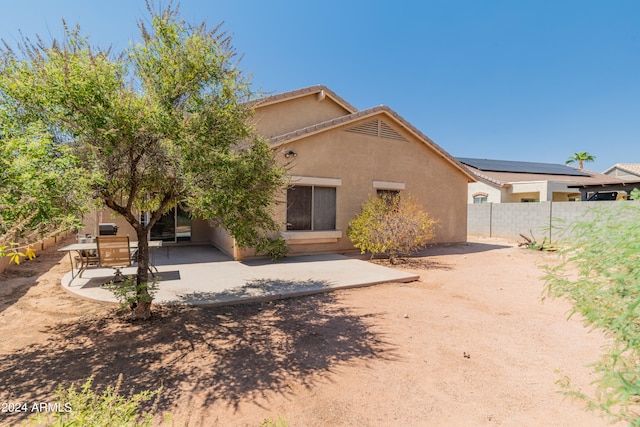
{"points": [[320, 90], [605, 184], [490, 181]]}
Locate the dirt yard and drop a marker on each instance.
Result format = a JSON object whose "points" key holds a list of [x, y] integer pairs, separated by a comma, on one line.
{"points": [[470, 344]]}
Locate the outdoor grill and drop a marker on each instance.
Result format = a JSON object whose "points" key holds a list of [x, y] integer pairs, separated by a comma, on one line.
{"points": [[108, 229]]}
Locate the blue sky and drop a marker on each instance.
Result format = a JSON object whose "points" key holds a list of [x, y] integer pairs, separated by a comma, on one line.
{"points": [[529, 80]]}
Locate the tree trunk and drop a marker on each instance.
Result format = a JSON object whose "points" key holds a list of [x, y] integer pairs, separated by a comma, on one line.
{"points": [[393, 259], [142, 309]]}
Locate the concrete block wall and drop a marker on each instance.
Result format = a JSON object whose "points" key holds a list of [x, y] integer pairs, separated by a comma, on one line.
{"points": [[479, 219], [508, 220]]}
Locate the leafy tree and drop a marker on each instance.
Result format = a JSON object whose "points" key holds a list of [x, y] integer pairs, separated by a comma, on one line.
{"points": [[394, 225], [601, 276], [580, 158], [163, 123], [41, 186]]}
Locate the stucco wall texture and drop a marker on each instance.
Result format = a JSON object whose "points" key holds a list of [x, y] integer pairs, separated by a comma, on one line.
{"points": [[297, 113], [359, 160]]}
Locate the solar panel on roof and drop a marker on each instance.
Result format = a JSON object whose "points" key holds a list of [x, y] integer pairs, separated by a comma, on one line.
{"points": [[521, 167]]}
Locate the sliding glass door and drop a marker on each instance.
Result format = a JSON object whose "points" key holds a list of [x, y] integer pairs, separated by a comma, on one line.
{"points": [[174, 226], [183, 225]]}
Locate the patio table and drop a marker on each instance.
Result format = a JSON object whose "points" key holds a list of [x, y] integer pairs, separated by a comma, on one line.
{"points": [[84, 248]]}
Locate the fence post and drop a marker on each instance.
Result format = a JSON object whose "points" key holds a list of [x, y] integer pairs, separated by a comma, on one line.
{"points": [[550, 219], [491, 219]]}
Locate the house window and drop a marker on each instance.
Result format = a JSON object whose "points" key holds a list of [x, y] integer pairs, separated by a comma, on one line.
{"points": [[387, 193], [529, 200], [311, 207], [480, 198]]}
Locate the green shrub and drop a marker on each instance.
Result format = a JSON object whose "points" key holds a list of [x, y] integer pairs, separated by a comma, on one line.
{"points": [[601, 276], [127, 291], [395, 225], [273, 248], [83, 407]]}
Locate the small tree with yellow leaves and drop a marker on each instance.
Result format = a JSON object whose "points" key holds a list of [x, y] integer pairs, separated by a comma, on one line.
{"points": [[394, 225]]}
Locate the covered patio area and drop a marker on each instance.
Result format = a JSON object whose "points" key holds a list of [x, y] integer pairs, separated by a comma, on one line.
{"points": [[203, 275]]}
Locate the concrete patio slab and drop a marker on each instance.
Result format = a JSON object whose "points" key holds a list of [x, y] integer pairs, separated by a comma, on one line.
{"points": [[202, 275]]}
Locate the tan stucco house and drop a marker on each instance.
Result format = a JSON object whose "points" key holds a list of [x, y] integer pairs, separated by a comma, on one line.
{"points": [[505, 181], [336, 156]]}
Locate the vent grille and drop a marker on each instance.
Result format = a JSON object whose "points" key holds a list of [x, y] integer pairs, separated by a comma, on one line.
{"points": [[377, 128], [368, 128], [387, 132]]}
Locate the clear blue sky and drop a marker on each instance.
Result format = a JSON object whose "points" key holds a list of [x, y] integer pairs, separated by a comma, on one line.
{"points": [[530, 80]]}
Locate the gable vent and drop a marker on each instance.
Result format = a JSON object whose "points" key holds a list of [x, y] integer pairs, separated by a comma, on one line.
{"points": [[377, 128], [387, 132], [368, 128]]}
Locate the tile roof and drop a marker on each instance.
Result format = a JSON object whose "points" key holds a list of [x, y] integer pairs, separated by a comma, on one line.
{"points": [[504, 179], [633, 168], [272, 99]]}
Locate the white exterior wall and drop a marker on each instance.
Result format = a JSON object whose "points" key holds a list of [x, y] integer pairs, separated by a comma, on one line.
{"points": [[494, 195], [543, 191], [531, 189]]}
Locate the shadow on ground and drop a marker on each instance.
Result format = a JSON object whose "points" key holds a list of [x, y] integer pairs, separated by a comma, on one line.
{"points": [[258, 288], [412, 262], [224, 354], [459, 248], [421, 259]]}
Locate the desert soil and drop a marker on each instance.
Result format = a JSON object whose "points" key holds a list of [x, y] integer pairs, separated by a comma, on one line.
{"points": [[470, 344]]}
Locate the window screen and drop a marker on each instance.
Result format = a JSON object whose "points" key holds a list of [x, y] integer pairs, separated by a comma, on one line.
{"points": [[299, 208], [324, 208], [311, 208]]}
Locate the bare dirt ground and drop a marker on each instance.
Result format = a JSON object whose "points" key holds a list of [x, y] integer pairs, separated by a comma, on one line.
{"points": [[470, 344]]}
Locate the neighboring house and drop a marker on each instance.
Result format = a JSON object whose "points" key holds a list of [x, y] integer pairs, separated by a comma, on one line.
{"points": [[336, 157], [502, 181], [624, 178], [626, 171]]}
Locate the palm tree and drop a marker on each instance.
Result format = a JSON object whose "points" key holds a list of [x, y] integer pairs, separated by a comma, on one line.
{"points": [[581, 157]]}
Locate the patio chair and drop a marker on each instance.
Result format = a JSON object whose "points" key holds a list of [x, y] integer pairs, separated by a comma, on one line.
{"points": [[86, 258], [113, 251]]}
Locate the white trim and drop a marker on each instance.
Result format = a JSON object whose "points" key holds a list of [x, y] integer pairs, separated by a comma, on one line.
{"points": [[388, 185], [312, 180]]}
